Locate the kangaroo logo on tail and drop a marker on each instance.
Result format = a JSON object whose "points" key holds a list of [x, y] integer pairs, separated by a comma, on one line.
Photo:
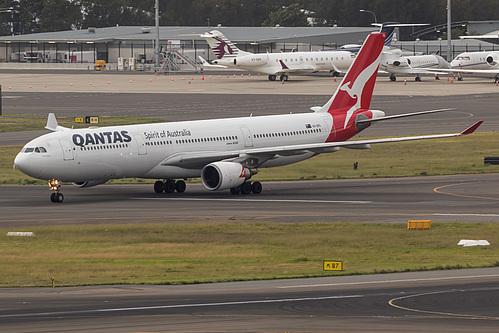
{"points": [[355, 90]]}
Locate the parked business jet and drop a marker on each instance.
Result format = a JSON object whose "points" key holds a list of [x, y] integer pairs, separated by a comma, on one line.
{"points": [[225, 153], [477, 63], [273, 64], [395, 63]]}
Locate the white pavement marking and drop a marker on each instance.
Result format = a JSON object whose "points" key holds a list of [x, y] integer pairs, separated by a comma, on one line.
{"points": [[389, 281], [450, 214], [176, 306], [258, 200]]}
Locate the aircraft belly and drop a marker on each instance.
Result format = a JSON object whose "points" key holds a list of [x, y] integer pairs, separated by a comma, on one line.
{"points": [[171, 172], [285, 160]]}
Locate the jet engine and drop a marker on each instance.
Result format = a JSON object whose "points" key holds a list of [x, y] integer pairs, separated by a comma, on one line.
{"points": [[89, 183], [224, 175], [250, 60], [492, 59]]}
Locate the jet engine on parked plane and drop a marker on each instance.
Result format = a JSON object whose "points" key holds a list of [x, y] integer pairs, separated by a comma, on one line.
{"points": [[224, 175], [250, 60], [89, 183], [492, 59]]}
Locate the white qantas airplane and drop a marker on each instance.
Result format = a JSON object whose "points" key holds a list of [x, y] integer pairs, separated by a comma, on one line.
{"points": [[273, 64], [225, 153]]}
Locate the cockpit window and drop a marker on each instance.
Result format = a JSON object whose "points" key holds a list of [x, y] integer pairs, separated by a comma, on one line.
{"points": [[36, 150]]}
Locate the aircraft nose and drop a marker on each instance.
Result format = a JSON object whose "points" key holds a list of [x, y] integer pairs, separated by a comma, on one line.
{"points": [[21, 162]]}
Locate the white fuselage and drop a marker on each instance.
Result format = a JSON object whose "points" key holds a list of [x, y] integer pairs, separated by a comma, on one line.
{"points": [[155, 150], [395, 63], [476, 60], [272, 63]]}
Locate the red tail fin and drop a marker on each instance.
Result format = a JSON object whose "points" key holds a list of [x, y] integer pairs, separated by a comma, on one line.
{"points": [[356, 89]]}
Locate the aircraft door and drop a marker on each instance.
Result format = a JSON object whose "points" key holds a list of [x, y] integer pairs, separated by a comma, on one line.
{"points": [[141, 144], [301, 60], [248, 140], [67, 150]]}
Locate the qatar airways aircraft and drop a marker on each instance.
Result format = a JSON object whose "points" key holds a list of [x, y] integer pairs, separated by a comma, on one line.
{"points": [[225, 153], [273, 64], [335, 61]]}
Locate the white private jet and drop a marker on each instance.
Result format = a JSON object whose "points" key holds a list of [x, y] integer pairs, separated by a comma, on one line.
{"points": [[273, 64], [477, 63], [225, 153], [335, 61]]}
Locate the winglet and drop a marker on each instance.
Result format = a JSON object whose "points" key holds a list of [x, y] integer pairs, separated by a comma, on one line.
{"points": [[53, 125], [472, 128]]}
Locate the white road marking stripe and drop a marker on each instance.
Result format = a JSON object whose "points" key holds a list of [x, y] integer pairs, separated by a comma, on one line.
{"points": [[450, 214], [258, 200], [388, 281], [176, 306]]}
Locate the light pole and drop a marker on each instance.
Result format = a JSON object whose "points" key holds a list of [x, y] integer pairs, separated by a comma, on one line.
{"points": [[368, 11]]}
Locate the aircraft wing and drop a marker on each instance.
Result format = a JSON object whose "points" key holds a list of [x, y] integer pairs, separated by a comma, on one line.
{"points": [[471, 71], [296, 69], [254, 157]]}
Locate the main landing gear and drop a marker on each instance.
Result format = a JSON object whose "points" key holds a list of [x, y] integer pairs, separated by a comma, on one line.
{"points": [[57, 196], [247, 188], [169, 186]]}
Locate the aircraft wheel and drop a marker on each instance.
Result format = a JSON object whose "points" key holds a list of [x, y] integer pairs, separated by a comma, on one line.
{"points": [[169, 186], [256, 187], [272, 77], [158, 186], [235, 190], [417, 79], [460, 78], [180, 186], [56, 197], [393, 78], [245, 188], [284, 78]]}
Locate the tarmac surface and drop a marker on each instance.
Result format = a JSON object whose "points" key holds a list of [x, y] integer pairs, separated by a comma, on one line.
{"points": [[444, 301], [438, 301], [460, 198]]}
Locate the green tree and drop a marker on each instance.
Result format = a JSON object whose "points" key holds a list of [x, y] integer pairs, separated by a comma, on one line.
{"points": [[58, 15], [291, 16]]}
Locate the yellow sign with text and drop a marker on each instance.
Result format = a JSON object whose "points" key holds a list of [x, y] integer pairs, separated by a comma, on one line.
{"points": [[333, 265], [79, 120]]}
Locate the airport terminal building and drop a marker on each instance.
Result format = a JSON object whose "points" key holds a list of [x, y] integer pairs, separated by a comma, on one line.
{"points": [[132, 47], [81, 48]]}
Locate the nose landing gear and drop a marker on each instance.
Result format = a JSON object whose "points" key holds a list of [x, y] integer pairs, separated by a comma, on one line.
{"points": [[55, 185]]}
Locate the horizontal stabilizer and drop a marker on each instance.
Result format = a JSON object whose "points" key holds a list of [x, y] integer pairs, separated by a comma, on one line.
{"points": [[361, 121]]}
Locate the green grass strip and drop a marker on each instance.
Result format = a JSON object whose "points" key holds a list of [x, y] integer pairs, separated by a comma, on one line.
{"points": [[215, 252]]}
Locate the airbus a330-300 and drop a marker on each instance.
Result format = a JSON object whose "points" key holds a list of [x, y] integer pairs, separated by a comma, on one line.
{"points": [[225, 153]]}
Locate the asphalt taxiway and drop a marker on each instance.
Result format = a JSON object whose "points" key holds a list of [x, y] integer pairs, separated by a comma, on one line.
{"points": [[462, 198], [438, 301], [453, 301]]}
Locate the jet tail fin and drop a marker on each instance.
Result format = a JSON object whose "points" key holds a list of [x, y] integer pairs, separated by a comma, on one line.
{"points": [[52, 124], [221, 46]]}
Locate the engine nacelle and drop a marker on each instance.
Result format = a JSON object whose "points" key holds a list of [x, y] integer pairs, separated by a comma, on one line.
{"points": [[224, 175], [89, 183], [492, 59], [250, 60]]}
